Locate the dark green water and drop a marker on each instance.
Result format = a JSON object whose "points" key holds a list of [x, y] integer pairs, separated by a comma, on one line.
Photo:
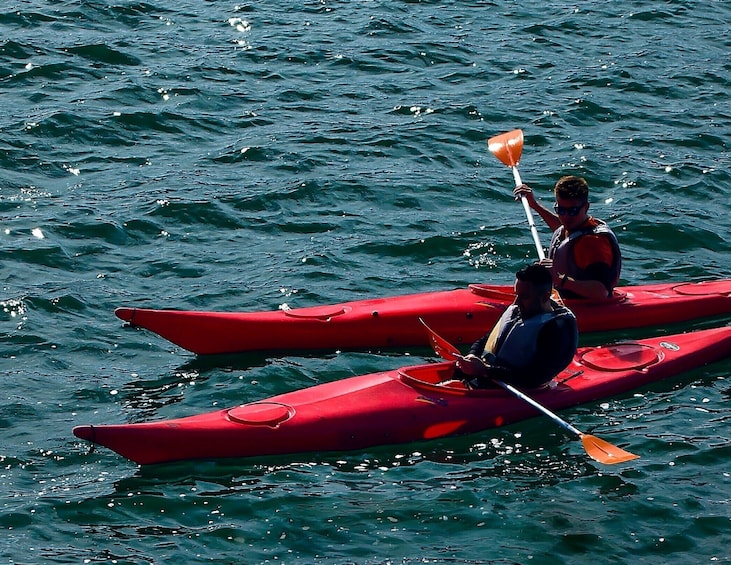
{"points": [[241, 156]]}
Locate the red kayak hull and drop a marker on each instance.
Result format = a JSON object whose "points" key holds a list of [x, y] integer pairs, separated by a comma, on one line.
{"points": [[461, 316], [401, 406]]}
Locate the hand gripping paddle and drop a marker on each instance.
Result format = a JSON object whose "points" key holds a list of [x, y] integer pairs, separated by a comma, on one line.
{"points": [[596, 448]]}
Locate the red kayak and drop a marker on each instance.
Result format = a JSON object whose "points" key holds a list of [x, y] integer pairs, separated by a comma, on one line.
{"points": [[403, 405], [462, 316]]}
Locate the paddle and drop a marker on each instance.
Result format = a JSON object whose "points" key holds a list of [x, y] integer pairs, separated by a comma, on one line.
{"points": [[596, 448], [508, 147]]}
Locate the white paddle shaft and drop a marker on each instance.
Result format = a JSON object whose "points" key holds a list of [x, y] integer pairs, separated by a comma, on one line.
{"points": [[529, 215], [564, 424]]}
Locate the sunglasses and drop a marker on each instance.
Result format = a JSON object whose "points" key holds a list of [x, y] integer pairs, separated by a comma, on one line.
{"points": [[567, 210]]}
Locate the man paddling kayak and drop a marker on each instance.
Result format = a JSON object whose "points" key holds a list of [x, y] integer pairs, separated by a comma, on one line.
{"points": [[584, 255], [534, 339]]}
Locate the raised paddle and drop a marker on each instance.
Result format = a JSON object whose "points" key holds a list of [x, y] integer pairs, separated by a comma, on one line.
{"points": [[596, 448], [508, 147]]}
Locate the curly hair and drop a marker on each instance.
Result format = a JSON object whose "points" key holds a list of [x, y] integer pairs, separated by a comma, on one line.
{"points": [[572, 188]]}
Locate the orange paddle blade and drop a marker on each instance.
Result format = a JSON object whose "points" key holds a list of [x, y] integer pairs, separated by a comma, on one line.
{"points": [[605, 452], [441, 346], [507, 147], [556, 297]]}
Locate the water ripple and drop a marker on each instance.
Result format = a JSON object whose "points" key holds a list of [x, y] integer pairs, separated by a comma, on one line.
{"points": [[244, 156]]}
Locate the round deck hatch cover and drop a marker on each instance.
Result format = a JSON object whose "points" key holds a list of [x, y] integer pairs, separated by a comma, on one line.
{"points": [[261, 414], [621, 357], [704, 288], [318, 312]]}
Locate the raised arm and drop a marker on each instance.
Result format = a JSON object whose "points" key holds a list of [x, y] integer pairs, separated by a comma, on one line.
{"points": [[547, 215]]}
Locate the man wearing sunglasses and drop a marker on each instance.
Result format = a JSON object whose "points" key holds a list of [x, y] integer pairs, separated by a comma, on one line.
{"points": [[584, 255]]}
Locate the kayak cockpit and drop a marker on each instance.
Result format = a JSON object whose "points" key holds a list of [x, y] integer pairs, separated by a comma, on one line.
{"points": [[440, 377], [502, 294]]}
